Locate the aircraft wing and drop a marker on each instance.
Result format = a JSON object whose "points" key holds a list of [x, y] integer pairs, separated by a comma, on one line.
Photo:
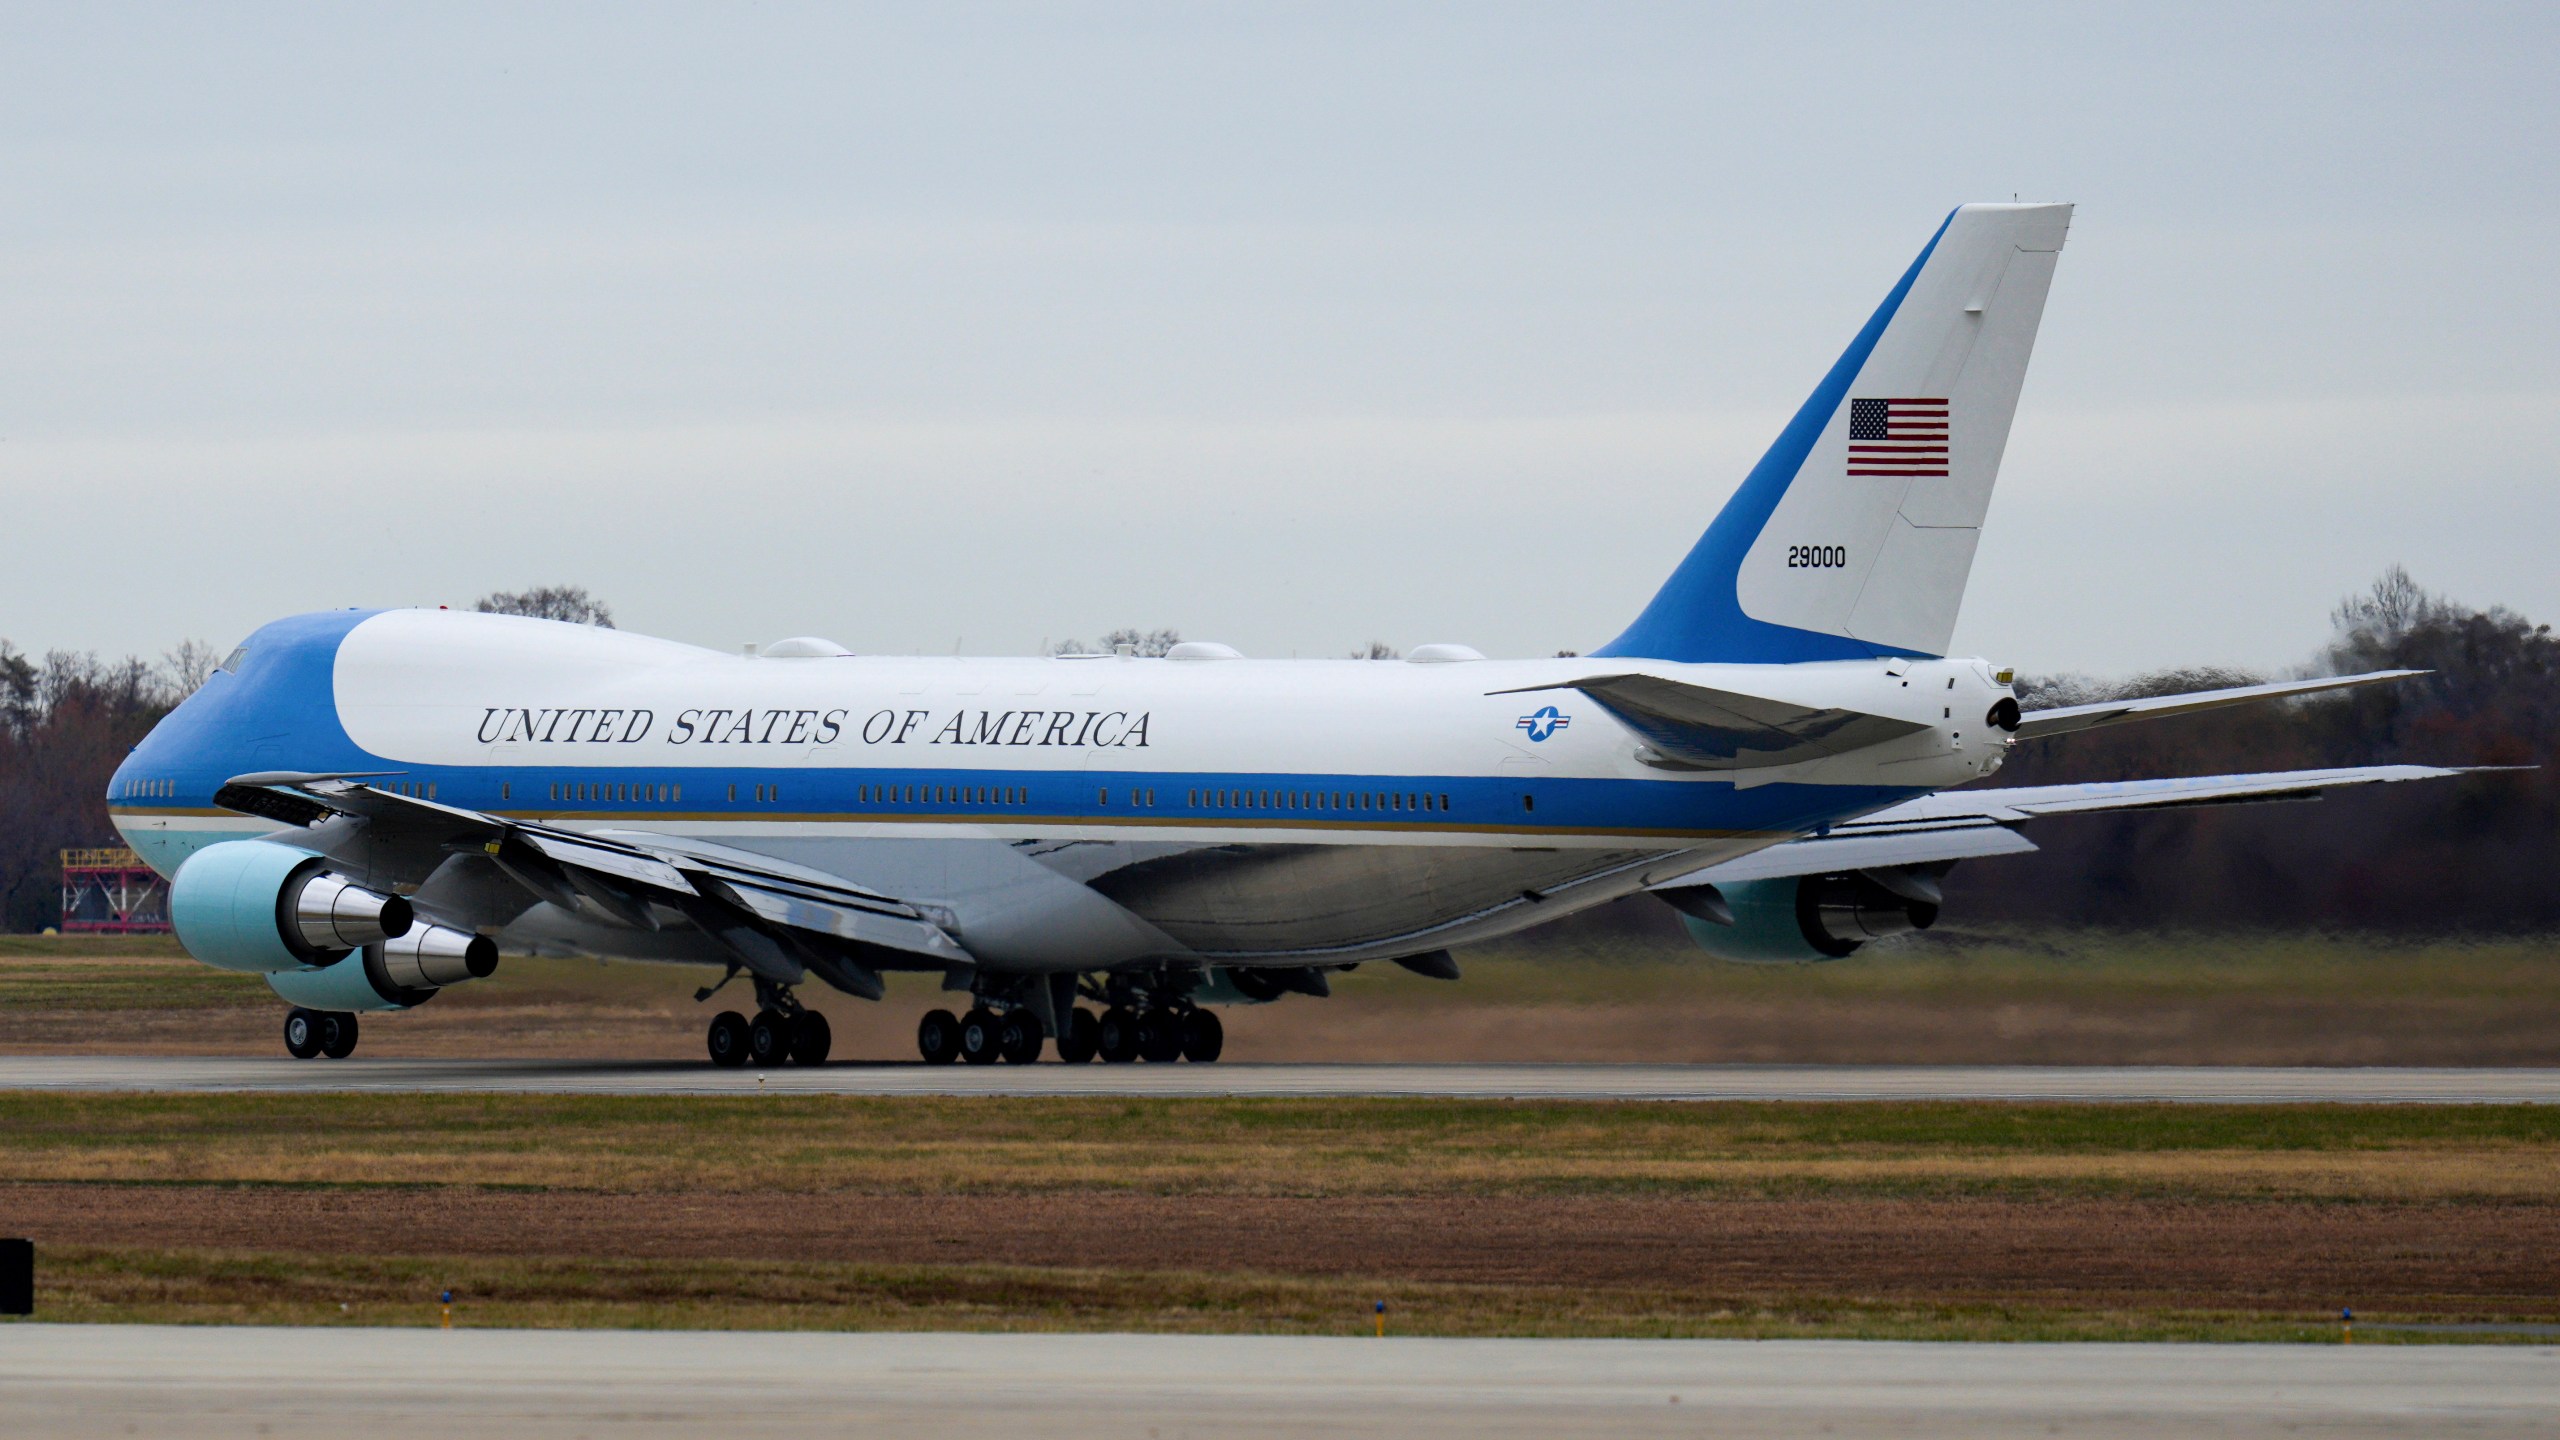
{"points": [[1970, 824], [773, 917], [1724, 729], [2062, 721]]}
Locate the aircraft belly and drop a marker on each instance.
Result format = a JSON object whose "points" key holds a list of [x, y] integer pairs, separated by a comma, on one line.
{"points": [[1008, 910], [1073, 904], [1259, 899]]}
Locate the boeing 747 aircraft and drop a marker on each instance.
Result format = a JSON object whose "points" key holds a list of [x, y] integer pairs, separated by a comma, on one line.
{"points": [[367, 807]]}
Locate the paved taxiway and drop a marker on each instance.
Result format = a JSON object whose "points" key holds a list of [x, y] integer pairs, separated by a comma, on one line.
{"points": [[206, 1381], [2197, 1084]]}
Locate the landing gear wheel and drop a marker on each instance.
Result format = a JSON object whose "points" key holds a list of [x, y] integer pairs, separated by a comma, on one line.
{"points": [[810, 1038], [301, 1033], [1117, 1039], [1081, 1039], [980, 1044], [1159, 1037], [1203, 1037], [337, 1034], [1018, 1038], [727, 1039], [938, 1037], [769, 1039]]}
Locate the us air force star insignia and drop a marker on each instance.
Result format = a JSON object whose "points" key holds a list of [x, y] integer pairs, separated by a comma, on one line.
{"points": [[1547, 721]]}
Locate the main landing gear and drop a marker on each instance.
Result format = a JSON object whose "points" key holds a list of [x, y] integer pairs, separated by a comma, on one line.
{"points": [[1161, 1034], [783, 1030], [319, 1032], [1139, 1025], [981, 1037]]}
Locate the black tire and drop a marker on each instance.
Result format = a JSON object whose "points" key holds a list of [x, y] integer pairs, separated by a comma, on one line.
{"points": [[1117, 1039], [1020, 1037], [727, 1039], [301, 1033], [1082, 1039], [938, 1037], [1159, 1037], [337, 1034], [811, 1038], [1203, 1037], [981, 1042], [768, 1039]]}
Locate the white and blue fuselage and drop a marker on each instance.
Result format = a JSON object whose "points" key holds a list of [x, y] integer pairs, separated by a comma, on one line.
{"points": [[1062, 813]]}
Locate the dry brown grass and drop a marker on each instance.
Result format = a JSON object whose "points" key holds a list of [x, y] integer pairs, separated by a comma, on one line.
{"points": [[1476, 1217], [798, 1144], [195, 1286]]}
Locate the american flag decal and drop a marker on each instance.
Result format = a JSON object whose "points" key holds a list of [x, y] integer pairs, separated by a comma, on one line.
{"points": [[1898, 437]]}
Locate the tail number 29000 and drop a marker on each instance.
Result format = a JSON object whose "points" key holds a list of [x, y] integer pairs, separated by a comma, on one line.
{"points": [[1817, 557]]}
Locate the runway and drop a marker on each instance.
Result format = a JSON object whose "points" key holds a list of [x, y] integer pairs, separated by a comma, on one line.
{"points": [[204, 1381], [2089, 1084]]}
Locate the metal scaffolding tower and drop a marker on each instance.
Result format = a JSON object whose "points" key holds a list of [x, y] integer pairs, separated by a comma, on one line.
{"points": [[111, 892]]}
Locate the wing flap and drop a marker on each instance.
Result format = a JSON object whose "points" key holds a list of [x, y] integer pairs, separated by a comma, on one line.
{"points": [[1831, 854]]}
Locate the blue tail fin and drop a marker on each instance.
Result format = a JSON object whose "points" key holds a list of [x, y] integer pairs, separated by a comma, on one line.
{"points": [[1853, 536]]}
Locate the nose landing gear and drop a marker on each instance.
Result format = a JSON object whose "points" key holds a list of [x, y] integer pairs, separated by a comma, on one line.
{"points": [[319, 1032]]}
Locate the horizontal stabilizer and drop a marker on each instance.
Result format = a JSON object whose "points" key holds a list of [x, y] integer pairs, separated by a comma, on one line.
{"points": [[1725, 730], [2036, 724]]}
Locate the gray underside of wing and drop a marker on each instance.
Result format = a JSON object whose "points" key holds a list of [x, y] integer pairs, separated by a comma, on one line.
{"points": [[1977, 824], [618, 873]]}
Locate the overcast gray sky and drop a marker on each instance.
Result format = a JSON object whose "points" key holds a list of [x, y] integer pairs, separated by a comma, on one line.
{"points": [[1290, 326]]}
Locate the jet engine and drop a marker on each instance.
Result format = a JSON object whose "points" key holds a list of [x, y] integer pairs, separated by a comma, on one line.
{"points": [[400, 973], [1813, 917], [322, 940], [267, 909]]}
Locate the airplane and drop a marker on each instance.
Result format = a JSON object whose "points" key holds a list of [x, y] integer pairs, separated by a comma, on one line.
{"points": [[369, 806]]}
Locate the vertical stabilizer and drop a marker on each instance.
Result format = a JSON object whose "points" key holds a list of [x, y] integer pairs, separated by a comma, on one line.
{"points": [[1853, 536]]}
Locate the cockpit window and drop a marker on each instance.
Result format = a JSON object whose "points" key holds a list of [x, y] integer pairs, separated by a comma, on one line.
{"points": [[231, 662]]}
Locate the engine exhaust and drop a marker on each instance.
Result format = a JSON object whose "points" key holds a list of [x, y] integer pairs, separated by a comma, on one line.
{"points": [[432, 956], [332, 913]]}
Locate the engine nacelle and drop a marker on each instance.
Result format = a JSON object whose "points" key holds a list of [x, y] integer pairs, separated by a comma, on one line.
{"points": [[1807, 917], [270, 909], [399, 973]]}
